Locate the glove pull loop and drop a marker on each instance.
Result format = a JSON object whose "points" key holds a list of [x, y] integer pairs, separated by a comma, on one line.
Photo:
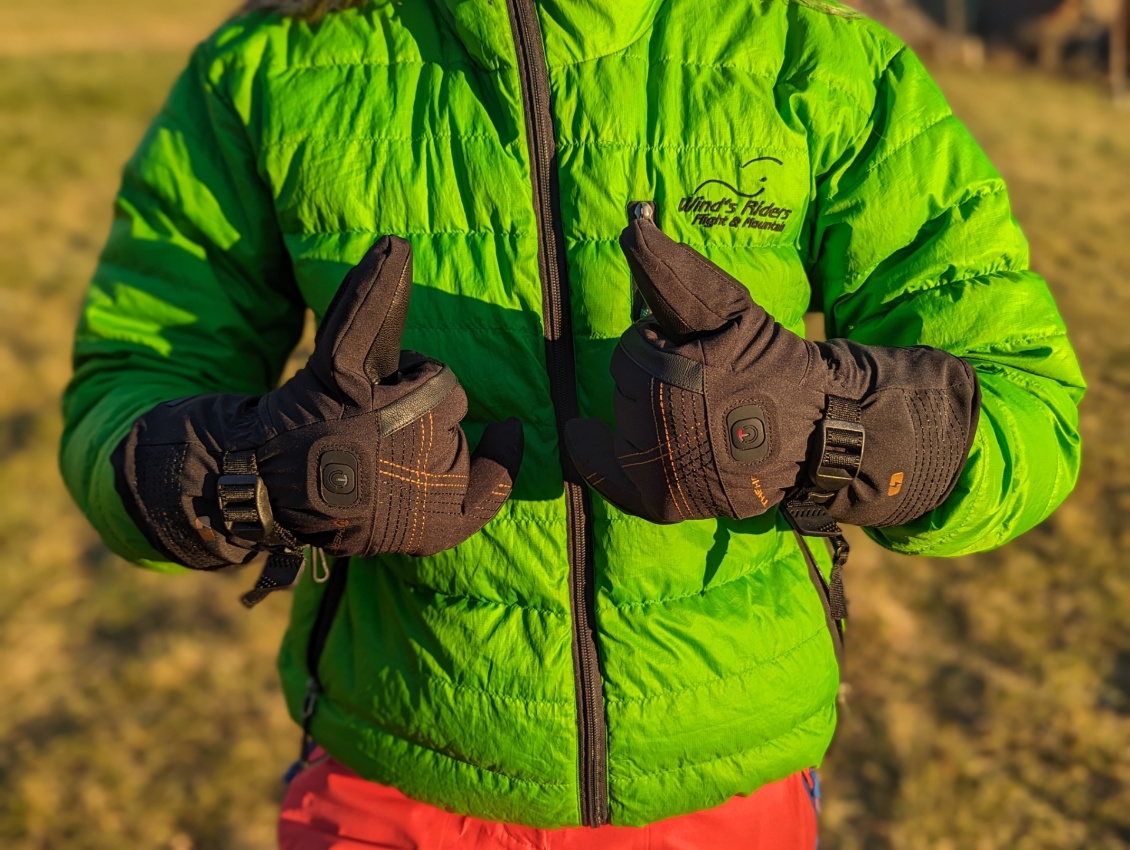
{"points": [[811, 519], [319, 565], [280, 572], [837, 602], [839, 443]]}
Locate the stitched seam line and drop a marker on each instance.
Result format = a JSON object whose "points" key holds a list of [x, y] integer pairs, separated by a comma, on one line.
{"points": [[424, 589], [1009, 344], [740, 246], [302, 138], [372, 63], [646, 603], [729, 756], [674, 146], [773, 78], [624, 52], [878, 163], [937, 284], [671, 452], [614, 144], [658, 439], [346, 709], [740, 674], [453, 686], [863, 273], [308, 233]]}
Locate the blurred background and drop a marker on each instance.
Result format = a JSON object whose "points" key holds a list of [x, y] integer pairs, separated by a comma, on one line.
{"points": [[989, 702]]}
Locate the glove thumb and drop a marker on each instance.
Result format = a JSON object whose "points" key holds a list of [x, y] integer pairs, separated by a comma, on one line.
{"points": [[687, 294], [363, 327]]}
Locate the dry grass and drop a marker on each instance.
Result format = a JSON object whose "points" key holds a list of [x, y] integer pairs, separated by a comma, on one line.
{"points": [[991, 695]]}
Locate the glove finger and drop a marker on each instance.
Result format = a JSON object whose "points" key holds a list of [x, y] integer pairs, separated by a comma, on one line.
{"points": [[493, 470], [362, 330], [592, 445], [687, 294]]}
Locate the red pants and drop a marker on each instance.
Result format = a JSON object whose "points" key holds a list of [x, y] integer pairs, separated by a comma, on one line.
{"points": [[329, 807]]}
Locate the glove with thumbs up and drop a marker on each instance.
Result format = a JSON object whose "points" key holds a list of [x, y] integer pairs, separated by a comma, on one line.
{"points": [[720, 411], [361, 452]]}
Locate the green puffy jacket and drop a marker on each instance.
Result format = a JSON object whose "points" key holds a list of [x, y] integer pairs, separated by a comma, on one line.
{"points": [[569, 663]]}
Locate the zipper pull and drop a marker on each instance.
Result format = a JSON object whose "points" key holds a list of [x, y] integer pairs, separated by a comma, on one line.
{"points": [[313, 691], [642, 209]]}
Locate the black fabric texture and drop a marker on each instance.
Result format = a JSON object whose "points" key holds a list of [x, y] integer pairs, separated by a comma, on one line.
{"points": [[673, 455], [920, 408], [417, 490]]}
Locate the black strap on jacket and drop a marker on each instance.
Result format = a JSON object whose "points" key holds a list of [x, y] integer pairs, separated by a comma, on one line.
{"points": [[316, 644]]}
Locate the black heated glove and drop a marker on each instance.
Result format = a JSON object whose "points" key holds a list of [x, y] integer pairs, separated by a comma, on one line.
{"points": [[720, 411], [361, 452]]}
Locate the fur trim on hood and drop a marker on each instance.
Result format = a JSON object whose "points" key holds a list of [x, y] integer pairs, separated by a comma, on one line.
{"points": [[302, 8]]}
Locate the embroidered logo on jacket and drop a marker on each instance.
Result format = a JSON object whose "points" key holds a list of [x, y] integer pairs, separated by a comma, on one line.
{"points": [[717, 203]]}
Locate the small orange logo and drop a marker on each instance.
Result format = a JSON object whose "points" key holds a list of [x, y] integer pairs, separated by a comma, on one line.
{"points": [[896, 484], [204, 527], [757, 491]]}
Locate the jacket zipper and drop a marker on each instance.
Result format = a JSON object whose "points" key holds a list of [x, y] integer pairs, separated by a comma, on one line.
{"points": [[534, 76]]}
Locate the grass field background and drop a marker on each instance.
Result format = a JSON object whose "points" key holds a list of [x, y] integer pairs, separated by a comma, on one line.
{"points": [[990, 696]]}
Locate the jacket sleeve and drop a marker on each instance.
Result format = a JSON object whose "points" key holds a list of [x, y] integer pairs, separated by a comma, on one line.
{"points": [[914, 243], [193, 293]]}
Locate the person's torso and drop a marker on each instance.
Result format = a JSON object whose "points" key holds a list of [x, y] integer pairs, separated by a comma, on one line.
{"points": [[468, 679]]}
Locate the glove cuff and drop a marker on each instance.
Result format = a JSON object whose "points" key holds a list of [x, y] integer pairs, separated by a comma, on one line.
{"points": [[167, 471], [920, 412]]}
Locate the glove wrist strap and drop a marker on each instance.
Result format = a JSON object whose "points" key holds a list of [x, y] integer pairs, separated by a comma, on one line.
{"points": [[245, 505], [839, 445], [246, 510]]}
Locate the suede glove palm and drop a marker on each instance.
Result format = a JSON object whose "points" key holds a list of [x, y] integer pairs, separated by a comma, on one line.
{"points": [[717, 406], [361, 452]]}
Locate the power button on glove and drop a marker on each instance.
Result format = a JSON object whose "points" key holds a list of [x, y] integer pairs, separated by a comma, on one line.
{"points": [[338, 478], [748, 440]]}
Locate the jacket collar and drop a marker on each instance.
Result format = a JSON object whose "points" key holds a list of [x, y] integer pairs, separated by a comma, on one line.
{"points": [[573, 31]]}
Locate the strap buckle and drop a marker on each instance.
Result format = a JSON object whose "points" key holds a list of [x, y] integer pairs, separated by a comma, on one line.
{"points": [[840, 441], [246, 507]]}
